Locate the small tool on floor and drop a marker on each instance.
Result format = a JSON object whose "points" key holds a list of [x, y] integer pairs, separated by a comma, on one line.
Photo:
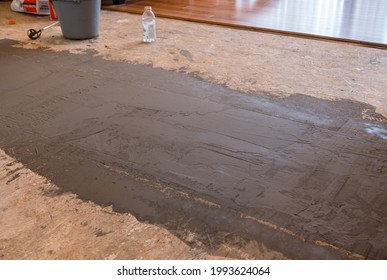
{"points": [[35, 34]]}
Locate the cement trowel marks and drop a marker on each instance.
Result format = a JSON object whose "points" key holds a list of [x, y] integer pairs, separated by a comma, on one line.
{"points": [[304, 176]]}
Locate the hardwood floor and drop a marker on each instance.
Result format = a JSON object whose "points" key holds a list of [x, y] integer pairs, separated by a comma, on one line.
{"points": [[359, 21]]}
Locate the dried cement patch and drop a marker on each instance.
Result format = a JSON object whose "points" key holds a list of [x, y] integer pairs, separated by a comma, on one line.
{"points": [[247, 61]]}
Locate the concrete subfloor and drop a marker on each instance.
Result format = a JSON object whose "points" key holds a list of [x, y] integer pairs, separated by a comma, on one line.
{"points": [[234, 144]]}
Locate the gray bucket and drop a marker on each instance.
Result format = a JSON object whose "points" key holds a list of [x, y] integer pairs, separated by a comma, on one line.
{"points": [[79, 19]]}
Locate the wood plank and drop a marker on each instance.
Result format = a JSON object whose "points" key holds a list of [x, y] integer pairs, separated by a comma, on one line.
{"points": [[358, 21]]}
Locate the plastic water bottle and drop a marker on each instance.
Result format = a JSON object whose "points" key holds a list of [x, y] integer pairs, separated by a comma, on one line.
{"points": [[149, 25]]}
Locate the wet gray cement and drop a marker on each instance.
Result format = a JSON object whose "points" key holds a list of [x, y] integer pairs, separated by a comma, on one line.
{"points": [[304, 176]]}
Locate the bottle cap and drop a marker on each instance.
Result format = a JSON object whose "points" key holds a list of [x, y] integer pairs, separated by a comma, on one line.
{"points": [[148, 8]]}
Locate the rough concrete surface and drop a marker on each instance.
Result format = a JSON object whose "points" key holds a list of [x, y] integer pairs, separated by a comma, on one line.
{"points": [[272, 156]]}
